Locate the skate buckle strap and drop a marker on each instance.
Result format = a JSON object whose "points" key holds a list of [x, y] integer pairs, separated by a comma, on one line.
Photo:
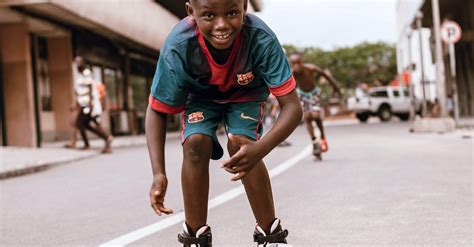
{"points": [[202, 240], [273, 238], [278, 245]]}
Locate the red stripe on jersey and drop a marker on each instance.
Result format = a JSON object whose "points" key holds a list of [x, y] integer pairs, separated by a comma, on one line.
{"points": [[284, 88], [262, 105], [183, 126], [162, 107], [221, 75]]}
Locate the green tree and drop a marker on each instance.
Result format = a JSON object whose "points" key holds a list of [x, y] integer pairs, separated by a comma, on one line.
{"points": [[372, 63]]}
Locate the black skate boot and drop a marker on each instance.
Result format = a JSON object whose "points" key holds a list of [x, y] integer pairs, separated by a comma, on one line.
{"points": [[317, 150], [277, 238], [202, 238]]}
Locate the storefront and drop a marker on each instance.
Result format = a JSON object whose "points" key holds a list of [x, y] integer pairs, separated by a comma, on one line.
{"points": [[38, 43], [120, 42]]}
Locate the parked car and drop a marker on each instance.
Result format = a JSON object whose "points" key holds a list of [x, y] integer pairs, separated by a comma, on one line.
{"points": [[383, 102]]}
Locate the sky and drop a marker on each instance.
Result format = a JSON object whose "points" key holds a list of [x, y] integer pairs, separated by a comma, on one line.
{"points": [[329, 24]]}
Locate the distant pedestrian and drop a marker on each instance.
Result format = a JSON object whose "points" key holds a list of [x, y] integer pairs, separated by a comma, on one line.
{"points": [[219, 65], [90, 109], [435, 109]]}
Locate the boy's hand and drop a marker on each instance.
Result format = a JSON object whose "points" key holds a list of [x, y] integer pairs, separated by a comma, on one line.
{"points": [[244, 160], [157, 195]]}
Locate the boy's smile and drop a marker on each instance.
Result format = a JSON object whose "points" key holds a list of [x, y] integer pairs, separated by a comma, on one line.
{"points": [[219, 21]]}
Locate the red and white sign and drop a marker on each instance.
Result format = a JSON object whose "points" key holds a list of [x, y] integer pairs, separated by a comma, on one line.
{"points": [[450, 32]]}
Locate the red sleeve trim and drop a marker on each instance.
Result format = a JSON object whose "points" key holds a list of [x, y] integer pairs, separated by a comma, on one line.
{"points": [[285, 88], [162, 107]]}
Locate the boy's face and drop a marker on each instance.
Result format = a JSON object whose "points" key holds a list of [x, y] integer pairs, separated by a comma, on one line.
{"points": [[296, 61], [219, 21]]}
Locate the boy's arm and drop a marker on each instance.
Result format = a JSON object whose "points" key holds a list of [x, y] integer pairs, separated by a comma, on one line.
{"points": [[250, 152], [328, 77], [289, 118], [155, 127]]}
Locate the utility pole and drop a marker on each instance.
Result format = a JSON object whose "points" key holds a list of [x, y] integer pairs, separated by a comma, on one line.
{"points": [[419, 17], [440, 76]]}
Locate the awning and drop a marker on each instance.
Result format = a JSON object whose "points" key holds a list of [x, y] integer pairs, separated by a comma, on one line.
{"points": [[141, 21]]}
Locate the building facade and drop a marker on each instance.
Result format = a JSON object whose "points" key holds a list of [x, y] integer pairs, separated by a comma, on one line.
{"points": [[119, 39], [416, 49]]}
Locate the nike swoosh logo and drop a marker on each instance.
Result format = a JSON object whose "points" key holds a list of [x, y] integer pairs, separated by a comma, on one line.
{"points": [[247, 117]]}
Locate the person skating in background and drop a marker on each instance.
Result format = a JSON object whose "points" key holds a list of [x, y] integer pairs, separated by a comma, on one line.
{"points": [[306, 77]]}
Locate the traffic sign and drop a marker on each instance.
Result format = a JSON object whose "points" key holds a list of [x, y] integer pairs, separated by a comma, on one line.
{"points": [[450, 32]]}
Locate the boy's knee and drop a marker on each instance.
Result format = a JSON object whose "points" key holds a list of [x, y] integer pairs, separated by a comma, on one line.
{"points": [[198, 148], [233, 147]]}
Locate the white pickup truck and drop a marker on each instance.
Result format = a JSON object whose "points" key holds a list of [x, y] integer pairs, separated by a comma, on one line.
{"points": [[383, 102]]}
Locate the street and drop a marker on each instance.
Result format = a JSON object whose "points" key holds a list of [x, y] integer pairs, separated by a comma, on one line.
{"points": [[377, 185]]}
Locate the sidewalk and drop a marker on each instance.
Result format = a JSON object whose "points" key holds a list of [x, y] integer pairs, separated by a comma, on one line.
{"points": [[16, 161]]}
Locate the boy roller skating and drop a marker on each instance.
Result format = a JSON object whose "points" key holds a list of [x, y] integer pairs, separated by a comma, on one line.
{"points": [[219, 65], [305, 76]]}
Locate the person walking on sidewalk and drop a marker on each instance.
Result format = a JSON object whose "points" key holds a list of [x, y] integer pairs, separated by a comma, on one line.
{"points": [[87, 98], [219, 65], [97, 112], [309, 93]]}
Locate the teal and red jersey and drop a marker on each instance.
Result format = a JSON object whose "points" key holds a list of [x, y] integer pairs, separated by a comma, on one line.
{"points": [[186, 70]]}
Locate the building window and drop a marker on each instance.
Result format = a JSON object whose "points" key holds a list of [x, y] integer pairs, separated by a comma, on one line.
{"points": [[139, 92], [114, 85]]}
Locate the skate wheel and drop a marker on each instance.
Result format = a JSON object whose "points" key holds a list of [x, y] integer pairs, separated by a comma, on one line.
{"points": [[318, 157]]}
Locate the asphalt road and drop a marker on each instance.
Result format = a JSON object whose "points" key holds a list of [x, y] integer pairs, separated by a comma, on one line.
{"points": [[377, 185]]}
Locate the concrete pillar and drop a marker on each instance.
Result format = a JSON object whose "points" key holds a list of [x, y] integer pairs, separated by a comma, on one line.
{"points": [[18, 85], [61, 79]]}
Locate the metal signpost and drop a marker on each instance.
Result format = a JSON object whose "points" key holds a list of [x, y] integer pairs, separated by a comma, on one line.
{"points": [[450, 34]]}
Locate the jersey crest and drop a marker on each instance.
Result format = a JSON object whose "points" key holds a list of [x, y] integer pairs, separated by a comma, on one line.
{"points": [[195, 117], [244, 79]]}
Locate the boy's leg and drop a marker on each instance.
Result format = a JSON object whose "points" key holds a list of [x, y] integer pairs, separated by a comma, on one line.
{"points": [[97, 129], [259, 191], [308, 119], [319, 122], [197, 152], [200, 144], [72, 144], [101, 133], [245, 121], [81, 123]]}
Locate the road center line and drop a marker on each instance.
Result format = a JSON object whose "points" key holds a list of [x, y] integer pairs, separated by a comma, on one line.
{"points": [[216, 201]]}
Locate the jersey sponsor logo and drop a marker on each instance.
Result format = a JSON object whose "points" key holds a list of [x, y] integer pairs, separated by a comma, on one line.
{"points": [[195, 117], [243, 116], [244, 79]]}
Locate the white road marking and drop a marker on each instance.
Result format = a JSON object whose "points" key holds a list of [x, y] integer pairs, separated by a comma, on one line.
{"points": [[216, 201]]}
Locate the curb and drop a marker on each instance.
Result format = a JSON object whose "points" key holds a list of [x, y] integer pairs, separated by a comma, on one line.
{"points": [[41, 167], [48, 164]]}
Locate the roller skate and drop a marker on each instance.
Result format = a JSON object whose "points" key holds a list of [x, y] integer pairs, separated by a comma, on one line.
{"points": [[277, 238], [317, 150], [202, 238], [324, 145]]}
